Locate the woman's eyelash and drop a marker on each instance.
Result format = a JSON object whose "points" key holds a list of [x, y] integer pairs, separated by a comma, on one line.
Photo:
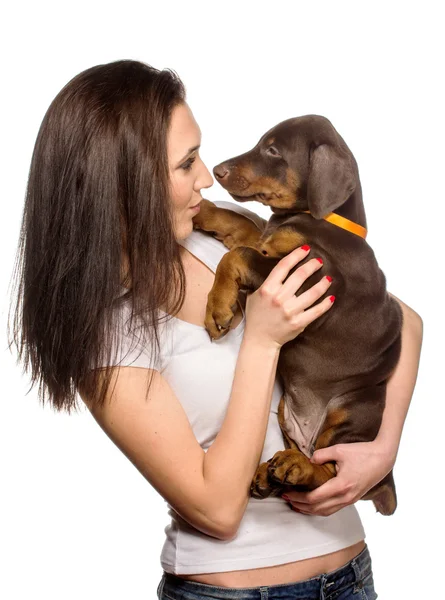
{"points": [[188, 165]]}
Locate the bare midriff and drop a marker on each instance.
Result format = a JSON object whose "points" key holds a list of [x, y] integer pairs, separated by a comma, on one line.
{"points": [[292, 572]]}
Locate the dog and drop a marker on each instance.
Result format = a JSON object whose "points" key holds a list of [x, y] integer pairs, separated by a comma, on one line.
{"points": [[335, 372]]}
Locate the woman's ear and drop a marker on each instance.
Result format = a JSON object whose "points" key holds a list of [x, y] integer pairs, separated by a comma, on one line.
{"points": [[331, 180]]}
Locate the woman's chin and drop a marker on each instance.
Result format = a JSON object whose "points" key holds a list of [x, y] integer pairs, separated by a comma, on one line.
{"points": [[184, 231]]}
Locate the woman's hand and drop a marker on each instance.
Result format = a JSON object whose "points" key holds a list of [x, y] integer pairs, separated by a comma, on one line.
{"points": [[274, 314], [359, 466]]}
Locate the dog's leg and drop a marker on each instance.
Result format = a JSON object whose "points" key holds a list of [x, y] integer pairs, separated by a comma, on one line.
{"points": [[356, 420], [241, 268], [282, 241], [359, 416], [231, 228], [384, 495]]}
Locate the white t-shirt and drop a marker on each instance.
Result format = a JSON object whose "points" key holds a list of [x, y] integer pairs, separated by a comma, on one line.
{"points": [[200, 373]]}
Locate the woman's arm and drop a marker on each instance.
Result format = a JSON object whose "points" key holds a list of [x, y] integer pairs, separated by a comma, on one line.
{"points": [[210, 490], [400, 386], [362, 465]]}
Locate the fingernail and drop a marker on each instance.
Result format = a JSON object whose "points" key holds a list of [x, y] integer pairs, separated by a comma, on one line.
{"points": [[320, 260], [328, 277], [305, 247], [285, 497], [332, 298]]}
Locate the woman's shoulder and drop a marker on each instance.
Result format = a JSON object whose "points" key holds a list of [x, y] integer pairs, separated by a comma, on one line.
{"points": [[129, 341]]}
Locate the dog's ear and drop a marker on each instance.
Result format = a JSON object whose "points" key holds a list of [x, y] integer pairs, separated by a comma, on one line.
{"points": [[331, 180]]}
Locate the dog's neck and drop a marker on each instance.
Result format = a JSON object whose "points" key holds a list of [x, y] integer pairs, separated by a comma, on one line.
{"points": [[352, 211], [350, 215]]}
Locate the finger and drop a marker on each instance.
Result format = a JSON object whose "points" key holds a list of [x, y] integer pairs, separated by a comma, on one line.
{"points": [[302, 319], [299, 511], [293, 283], [322, 510], [332, 488], [307, 298], [281, 270], [325, 455]]}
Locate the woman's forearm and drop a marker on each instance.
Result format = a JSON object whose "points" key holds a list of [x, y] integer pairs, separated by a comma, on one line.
{"points": [[232, 459], [400, 386]]}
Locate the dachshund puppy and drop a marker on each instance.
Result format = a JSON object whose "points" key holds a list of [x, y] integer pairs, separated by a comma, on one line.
{"points": [[335, 372]]}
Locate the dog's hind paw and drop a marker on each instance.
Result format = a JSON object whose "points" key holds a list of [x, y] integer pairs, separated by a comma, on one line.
{"points": [[261, 486], [290, 467]]}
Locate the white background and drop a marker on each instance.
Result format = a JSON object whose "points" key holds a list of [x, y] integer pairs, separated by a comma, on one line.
{"points": [[77, 520]]}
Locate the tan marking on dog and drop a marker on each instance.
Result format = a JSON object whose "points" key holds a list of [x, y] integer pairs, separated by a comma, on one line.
{"points": [[282, 241], [293, 180], [229, 227], [334, 418], [244, 183], [279, 196], [222, 298]]}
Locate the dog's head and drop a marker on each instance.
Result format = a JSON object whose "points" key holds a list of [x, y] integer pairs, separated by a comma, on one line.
{"points": [[300, 164]]}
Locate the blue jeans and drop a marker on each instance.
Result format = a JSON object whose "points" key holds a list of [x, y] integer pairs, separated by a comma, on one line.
{"points": [[352, 581]]}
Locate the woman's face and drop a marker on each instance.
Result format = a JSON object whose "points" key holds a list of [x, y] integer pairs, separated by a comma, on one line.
{"points": [[188, 174]]}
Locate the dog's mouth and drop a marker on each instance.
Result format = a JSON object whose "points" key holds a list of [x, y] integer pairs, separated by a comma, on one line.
{"points": [[267, 199], [262, 197]]}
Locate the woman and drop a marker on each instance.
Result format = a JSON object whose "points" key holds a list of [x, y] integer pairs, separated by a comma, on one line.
{"points": [[107, 255]]}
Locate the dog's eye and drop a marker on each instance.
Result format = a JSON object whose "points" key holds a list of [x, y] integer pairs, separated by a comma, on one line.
{"points": [[273, 151]]}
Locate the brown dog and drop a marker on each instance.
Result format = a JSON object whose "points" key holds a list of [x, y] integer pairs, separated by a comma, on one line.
{"points": [[335, 372]]}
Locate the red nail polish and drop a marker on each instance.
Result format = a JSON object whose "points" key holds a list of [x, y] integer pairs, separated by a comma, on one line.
{"points": [[305, 247], [328, 277], [332, 298], [320, 260], [285, 497]]}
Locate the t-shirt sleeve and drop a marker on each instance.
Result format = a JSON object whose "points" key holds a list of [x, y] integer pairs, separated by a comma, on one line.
{"points": [[242, 210], [127, 346]]}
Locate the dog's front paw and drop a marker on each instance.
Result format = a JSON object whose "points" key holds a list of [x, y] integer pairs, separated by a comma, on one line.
{"points": [[218, 318], [203, 220]]}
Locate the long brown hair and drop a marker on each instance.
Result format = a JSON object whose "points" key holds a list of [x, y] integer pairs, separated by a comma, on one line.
{"points": [[98, 187]]}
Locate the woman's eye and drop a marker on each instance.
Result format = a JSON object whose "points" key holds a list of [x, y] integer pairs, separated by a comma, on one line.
{"points": [[273, 151], [187, 166]]}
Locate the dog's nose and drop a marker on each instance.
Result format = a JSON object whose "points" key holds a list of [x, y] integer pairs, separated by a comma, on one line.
{"points": [[220, 171]]}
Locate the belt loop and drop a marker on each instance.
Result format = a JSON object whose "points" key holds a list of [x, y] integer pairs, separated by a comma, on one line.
{"points": [[358, 576], [264, 592], [323, 580]]}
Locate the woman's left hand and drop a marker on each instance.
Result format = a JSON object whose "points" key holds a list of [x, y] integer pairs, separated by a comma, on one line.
{"points": [[359, 466]]}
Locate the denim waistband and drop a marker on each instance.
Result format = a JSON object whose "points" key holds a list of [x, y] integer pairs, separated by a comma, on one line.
{"points": [[320, 587]]}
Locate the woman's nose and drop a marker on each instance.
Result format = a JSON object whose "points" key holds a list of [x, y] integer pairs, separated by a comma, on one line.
{"points": [[205, 180]]}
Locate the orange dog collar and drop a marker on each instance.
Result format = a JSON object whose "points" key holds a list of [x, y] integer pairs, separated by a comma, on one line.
{"points": [[344, 223]]}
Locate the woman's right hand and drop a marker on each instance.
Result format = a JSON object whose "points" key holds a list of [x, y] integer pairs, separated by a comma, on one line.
{"points": [[273, 313]]}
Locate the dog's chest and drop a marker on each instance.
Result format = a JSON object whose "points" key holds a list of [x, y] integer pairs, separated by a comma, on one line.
{"points": [[304, 414]]}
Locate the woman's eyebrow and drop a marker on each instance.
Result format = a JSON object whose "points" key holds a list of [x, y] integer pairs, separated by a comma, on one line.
{"points": [[189, 152]]}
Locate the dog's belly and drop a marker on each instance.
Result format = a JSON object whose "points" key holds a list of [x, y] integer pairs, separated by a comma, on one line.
{"points": [[303, 418]]}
